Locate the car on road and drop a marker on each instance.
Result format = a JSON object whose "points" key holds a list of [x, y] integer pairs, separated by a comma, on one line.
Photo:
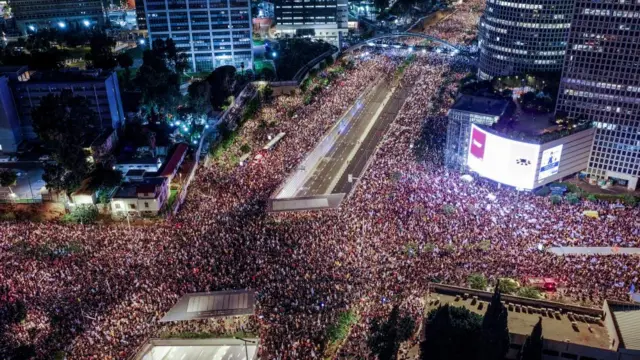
{"points": [[7, 158], [44, 158]]}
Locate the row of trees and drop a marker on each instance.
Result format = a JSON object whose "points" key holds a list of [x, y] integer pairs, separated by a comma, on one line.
{"points": [[454, 333]]}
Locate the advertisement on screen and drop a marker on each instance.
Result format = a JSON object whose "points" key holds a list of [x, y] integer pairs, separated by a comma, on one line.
{"points": [[506, 161], [550, 162]]}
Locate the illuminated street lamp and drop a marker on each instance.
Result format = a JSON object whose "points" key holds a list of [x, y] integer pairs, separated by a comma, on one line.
{"points": [[32, 28], [86, 23], [61, 24]]}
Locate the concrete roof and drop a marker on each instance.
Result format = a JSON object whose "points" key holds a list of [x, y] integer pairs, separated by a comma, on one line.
{"points": [[481, 105], [206, 349], [207, 305], [522, 322], [627, 320]]}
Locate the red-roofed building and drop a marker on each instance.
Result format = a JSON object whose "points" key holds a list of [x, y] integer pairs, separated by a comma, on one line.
{"points": [[171, 166]]}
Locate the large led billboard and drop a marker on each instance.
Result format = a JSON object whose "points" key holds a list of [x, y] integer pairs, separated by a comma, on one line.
{"points": [[550, 162], [504, 160]]}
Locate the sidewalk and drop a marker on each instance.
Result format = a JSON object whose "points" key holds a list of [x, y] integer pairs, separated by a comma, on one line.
{"points": [[581, 250]]}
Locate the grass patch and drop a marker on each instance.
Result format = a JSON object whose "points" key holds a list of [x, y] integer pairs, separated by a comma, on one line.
{"points": [[260, 65], [173, 193], [342, 326], [258, 42]]}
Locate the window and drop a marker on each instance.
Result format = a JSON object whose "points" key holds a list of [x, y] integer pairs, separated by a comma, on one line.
{"points": [[118, 206], [550, 352], [569, 356], [146, 205], [132, 206]]}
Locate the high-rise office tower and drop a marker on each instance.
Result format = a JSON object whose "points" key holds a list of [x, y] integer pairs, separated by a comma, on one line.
{"points": [[32, 15], [321, 19], [211, 32], [519, 36], [601, 83], [141, 16]]}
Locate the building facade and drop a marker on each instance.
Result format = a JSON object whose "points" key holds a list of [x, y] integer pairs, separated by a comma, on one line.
{"points": [[141, 15], [518, 36], [101, 89], [10, 130], [467, 110], [32, 15], [320, 19], [601, 83], [211, 32]]}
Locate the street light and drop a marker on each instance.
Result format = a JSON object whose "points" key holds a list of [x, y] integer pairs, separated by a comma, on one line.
{"points": [[141, 41], [274, 54], [61, 24], [246, 352], [86, 23], [32, 28]]}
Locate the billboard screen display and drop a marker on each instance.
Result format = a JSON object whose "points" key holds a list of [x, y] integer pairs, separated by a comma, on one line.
{"points": [[504, 160], [550, 162]]}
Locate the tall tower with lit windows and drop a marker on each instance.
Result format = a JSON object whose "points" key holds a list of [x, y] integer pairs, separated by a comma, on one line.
{"points": [[601, 83], [519, 36], [32, 15]]}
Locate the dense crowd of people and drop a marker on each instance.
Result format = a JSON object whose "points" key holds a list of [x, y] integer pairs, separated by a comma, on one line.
{"points": [[98, 291]]}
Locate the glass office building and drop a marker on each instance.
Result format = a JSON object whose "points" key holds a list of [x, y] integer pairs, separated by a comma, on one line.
{"points": [[320, 19], [211, 32], [601, 83], [519, 36]]}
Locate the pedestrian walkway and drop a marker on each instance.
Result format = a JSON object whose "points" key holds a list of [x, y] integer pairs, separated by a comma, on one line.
{"points": [[580, 250]]}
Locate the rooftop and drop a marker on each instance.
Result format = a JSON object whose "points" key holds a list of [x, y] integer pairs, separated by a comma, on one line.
{"points": [[523, 316], [481, 105], [627, 320], [212, 304], [207, 349], [67, 76]]}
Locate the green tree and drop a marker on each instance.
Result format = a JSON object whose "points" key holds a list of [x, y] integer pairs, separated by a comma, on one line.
{"points": [[451, 333], [222, 81], [199, 99], [573, 198], [104, 177], [477, 281], [159, 80], [495, 330], [555, 199], [101, 54], [529, 292], [126, 62], [8, 178], [62, 119], [386, 336], [532, 347]]}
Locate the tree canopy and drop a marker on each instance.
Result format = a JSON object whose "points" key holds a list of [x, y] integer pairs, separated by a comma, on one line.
{"points": [[386, 336], [159, 79], [532, 348], [223, 82], [101, 54], [452, 333], [63, 121], [495, 330], [7, 177]]}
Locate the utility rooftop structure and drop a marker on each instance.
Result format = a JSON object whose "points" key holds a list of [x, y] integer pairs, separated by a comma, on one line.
{"points": [[570, 332]]}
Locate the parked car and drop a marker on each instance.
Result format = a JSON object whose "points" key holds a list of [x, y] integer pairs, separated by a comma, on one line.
{"points": [[44, 158]]}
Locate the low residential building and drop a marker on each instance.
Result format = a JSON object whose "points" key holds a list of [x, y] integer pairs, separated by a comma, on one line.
{"points": [[147, 163], [140, 199], [102, 145], [101, 90], [171, 166], [569, 331], [136, 175]]}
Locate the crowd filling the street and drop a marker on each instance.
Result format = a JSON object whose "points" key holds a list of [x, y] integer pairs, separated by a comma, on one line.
{"points": [[99, 290]]}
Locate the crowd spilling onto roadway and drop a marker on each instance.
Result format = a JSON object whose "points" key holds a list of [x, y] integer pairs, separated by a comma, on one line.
{"points": [[98, 291]]}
